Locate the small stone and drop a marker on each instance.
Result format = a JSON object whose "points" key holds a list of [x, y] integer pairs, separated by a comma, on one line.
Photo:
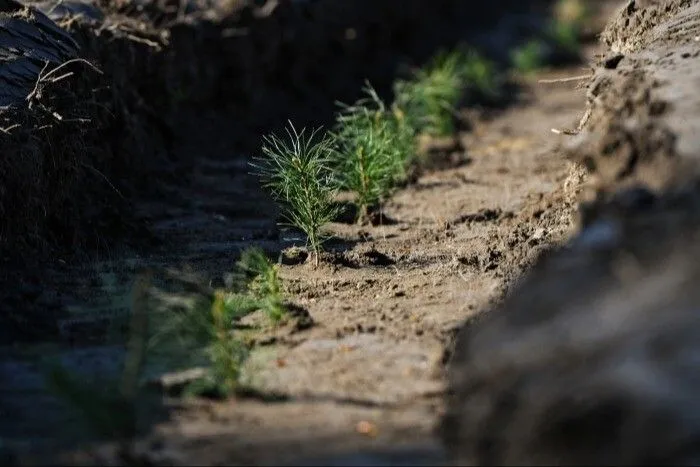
{"points": [[366, 428]]}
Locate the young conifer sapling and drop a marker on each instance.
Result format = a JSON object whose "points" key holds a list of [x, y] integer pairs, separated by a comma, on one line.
{"points": [[297, 172]]}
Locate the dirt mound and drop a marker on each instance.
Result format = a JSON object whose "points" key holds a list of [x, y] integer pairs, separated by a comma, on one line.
{"points": [[72, 129], [30, 42], [642, 99], [631, 28], [590, 358], [591, 361]]}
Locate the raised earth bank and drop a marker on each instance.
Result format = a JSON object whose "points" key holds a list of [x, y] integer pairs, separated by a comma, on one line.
{"points": [[593, 357]]}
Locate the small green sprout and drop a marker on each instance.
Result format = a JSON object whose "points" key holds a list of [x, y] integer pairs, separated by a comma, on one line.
{"points": [[429, 99], [225, 352], [479, 76], [299, 176], [529, 57], [265, 285], [373, 147]]}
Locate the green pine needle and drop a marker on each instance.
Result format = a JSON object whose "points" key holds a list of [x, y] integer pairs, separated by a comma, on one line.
{"points": [[373, 147], [298, 173]]}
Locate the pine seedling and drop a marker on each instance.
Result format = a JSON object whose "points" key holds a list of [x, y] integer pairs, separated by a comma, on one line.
{"points": [[565, 37], [225, 352], [429, 99], [299, 176], [529, 57], [567, 26], [404, 135], [373, 146], [264, 285], [573, 13], [201, 334], [479, 76]]}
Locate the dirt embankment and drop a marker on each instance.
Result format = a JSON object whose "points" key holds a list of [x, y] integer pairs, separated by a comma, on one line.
{"points": [[591, 359], [643, 100]]}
